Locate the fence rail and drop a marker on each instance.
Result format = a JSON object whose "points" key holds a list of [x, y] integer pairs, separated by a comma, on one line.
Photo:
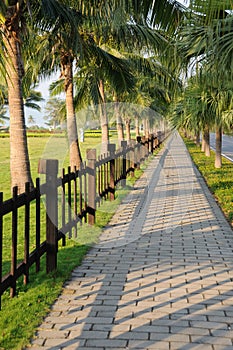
{"points": [[69, 200]]}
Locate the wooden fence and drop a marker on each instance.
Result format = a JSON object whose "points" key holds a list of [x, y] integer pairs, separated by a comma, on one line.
{"points": [[69, 200]]}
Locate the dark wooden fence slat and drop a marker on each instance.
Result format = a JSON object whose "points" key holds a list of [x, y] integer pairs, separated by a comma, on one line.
{"points": [[63, 201], [99, 183], [14, 241], [124, 164], [50, 168], [26, 232], [80, 194], [112, 150], [85, 192], [75, 202], [38, 223], [91, 169], [69, 201]]}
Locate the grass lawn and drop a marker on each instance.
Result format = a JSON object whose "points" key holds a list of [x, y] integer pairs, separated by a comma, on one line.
{"points": [[220, 181], [21, 315], [53, 146]]}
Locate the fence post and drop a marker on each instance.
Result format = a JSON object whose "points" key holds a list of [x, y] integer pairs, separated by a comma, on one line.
{"points": [[156, 142], [143, 149], [124, 173], [151, 140], [111, 150], [138, 151], [14, 241], [159, 136], [50, 168], [147, 145], [132, 157], [91, 170]]}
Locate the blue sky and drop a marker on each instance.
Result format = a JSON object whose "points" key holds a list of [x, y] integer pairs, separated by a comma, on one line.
{"points": [[43, 87]]}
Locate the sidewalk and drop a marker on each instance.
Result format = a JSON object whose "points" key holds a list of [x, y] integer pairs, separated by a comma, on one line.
{"points": [[161, 276]]}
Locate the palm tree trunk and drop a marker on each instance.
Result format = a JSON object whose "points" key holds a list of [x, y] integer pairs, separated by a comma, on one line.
{"points": [[197, 138], [103, 119], [119, 122], [19, 157], [120, 129], [75, 153], [207, 140], [137, 131], [203, 142], [127, 129], [218, 147], [146, 128]]}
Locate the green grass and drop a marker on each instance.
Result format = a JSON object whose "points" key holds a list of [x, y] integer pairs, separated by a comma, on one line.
{"points": [[21, 315], [53, 146], [219, 181], [50, 146]]}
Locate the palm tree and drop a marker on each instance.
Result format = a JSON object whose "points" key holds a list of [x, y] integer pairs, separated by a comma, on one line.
{"points": [[16, 18], [207, 41], [126, 27], [89, 81], [118, 118], [31, 120], [11, 36], [33, 99], [55, 112]]}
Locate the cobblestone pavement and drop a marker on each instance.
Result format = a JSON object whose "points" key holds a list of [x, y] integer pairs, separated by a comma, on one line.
{"points": [[161, 276]]}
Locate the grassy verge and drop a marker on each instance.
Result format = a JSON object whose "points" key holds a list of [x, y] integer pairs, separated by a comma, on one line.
{"points": [[219, 181], [20, 316], [52, 146]]}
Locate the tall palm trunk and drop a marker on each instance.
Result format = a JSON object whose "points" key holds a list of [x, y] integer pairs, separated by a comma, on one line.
{"points": [[206, 137], [146, 127], [127, 129], [103, 119], [119, 122], [203, 142], [218, 147], [137, 131], [75, 153], [197, 138], [19, 157]]}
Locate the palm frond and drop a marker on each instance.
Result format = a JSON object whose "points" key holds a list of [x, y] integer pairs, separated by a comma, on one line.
{"points": [[56, 87], [48, 14]]}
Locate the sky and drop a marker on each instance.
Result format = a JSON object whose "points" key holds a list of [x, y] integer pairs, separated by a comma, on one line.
{"points": [[43, 87]]}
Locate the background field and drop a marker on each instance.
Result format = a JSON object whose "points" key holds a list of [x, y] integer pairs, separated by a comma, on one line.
{"points": [[44, 146]]}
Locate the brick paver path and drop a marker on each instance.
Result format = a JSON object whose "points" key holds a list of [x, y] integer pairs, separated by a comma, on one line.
{"points": [[161, 276]]}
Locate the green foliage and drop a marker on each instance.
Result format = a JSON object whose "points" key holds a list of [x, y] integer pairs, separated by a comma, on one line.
{"points": [[55, 112]]}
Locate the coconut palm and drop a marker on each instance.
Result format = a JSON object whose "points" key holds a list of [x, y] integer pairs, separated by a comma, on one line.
{"points": [[207, 40], [16, 17], [113, 26], [99, 67], [55, 112]]}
